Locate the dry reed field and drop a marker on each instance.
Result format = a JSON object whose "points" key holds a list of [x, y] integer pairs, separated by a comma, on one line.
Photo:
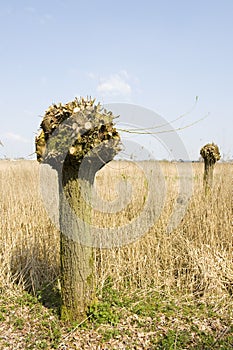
{"points": [[195, 259]]}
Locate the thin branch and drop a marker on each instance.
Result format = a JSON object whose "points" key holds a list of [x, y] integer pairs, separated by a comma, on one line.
{"points": [[162, 131], [168, 123]]}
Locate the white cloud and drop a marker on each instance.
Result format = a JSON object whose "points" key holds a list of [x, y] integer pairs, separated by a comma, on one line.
{"points": [[15, 137], [115, 85], [124, 74]]}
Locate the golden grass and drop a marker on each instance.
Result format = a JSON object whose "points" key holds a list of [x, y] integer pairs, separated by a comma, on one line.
{"points": [[28, 240], [195, 258]]}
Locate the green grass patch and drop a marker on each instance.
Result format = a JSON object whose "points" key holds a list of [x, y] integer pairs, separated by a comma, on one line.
{"points": [[119, 319]]}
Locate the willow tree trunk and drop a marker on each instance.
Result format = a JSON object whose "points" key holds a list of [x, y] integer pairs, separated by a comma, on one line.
{"points": [[77, 265], [208, 175]]}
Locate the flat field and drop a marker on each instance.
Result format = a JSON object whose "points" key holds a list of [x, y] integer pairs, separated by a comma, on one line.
{"points": [[167, 254]]}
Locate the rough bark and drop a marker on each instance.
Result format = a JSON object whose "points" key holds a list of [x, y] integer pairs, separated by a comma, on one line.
{"points": [[208, 175], [77, 266]]}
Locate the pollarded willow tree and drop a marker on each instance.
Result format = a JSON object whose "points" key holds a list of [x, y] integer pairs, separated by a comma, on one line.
{"points": [[77, 139], [210, 153]]}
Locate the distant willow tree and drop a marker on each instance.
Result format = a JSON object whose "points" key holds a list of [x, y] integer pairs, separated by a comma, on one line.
{"points": [[210, 153]]}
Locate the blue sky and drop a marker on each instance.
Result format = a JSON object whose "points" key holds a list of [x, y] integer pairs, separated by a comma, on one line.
{"points": [[156, 54]]}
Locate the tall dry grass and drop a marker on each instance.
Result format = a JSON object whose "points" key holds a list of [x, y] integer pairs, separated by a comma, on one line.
{"points": [[195, 258], [29, 243]]}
